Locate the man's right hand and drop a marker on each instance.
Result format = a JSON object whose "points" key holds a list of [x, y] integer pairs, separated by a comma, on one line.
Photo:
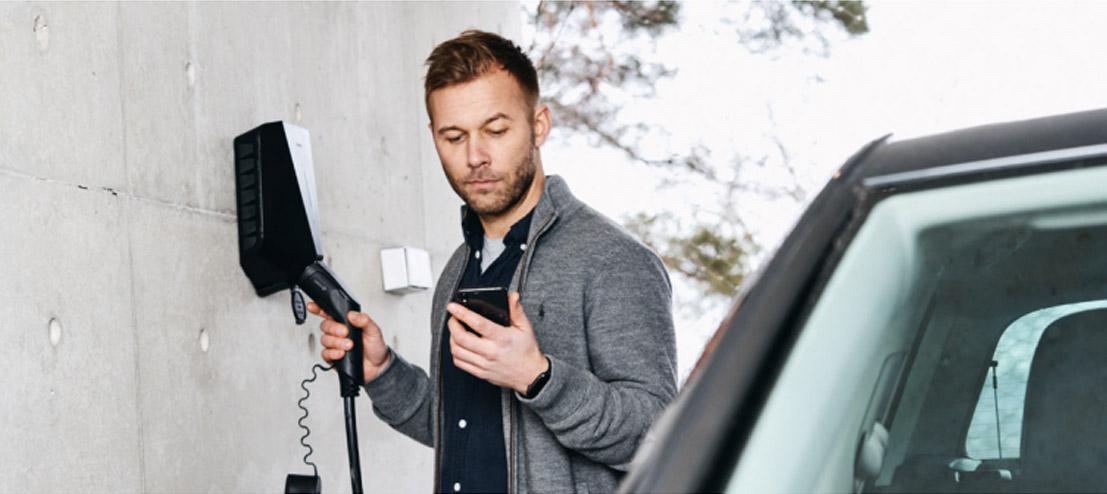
{"points": [[335, 342]]}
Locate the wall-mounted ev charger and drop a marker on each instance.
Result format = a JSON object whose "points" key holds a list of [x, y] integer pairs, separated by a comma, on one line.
{"points": [[279, 248]]}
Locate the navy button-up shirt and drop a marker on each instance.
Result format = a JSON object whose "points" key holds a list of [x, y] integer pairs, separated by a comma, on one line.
{"points": [[473, 457]]}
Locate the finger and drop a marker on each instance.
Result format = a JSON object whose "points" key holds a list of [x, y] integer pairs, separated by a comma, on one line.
{"points": [[467, 361], [336, 343], [518, 316], [334, 328], [471, 369], [314, 308], [363, 321], [456, 327], [469, 341], [476, 321], [463, 354], [330, 354]]}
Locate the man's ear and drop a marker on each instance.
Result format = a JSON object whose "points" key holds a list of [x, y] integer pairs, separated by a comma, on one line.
{"points": [[543, 120]]}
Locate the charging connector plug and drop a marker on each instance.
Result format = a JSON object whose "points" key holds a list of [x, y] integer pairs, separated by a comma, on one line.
{"points": [[321, 284]]}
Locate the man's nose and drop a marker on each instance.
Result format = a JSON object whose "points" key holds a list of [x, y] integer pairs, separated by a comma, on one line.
{"points": [[478, 153]]}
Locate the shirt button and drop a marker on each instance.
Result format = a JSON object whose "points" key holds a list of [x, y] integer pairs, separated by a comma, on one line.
{"points": [[477, 254], [457, 486], [462, 423], [522, 246]]}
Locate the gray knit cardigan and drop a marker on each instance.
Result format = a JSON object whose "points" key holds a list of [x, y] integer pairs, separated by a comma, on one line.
{"points": [[600, 304]]}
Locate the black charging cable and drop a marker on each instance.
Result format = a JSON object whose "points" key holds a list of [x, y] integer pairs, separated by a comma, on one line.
{"points": [[307, 432], [323, 286], [306, 484]]}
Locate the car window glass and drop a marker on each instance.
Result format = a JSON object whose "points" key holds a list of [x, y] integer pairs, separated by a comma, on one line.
{"points": [[878, 390], [1004, 388]]}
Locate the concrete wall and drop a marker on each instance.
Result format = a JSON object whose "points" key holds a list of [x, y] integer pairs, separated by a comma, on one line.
{"points": [[136, 356]]}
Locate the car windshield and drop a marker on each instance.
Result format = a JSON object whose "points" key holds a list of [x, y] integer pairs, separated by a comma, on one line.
{"points": [[889, 386]]}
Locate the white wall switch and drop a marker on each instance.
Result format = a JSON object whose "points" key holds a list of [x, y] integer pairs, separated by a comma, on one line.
{"points": [[405, 269]]}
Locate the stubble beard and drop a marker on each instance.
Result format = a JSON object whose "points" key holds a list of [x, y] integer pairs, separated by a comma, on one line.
{"points": [[501, 200]]}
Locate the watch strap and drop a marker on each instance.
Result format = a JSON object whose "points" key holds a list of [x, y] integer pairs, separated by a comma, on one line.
{"points": [[539, 382]]}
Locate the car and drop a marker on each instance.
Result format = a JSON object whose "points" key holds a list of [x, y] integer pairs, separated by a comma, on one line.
{"points": [[935, 322]]}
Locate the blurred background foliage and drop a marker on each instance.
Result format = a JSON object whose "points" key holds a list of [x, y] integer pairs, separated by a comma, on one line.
{"points": [[595, 58]]}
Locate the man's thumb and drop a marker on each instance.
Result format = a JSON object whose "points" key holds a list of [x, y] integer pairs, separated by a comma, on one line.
{"points": [[518, 317], [359, 319]]}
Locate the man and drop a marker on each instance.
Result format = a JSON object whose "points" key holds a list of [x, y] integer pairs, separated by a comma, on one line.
{"points": [[559, 400]]}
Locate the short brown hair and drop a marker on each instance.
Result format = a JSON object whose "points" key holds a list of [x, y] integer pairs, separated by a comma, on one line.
{"points": [[473, 54]]}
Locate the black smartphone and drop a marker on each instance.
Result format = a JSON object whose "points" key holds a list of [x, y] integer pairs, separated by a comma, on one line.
{"points": [[490, 302]]}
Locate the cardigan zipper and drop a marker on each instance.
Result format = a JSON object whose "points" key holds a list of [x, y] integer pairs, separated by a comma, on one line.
{"points": [[511, 403]]}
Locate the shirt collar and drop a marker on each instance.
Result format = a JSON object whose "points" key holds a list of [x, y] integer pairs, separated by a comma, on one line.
{"points": [[474, 231]]}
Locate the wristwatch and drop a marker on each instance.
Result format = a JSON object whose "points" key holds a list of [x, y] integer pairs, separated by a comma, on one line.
{"points": [[539, 382]]}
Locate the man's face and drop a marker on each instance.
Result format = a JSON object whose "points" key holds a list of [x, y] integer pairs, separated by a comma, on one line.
{"points": [[485, 137]]}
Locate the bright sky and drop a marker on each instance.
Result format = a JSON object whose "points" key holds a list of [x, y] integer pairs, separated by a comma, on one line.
{"points": [[924, 67]]}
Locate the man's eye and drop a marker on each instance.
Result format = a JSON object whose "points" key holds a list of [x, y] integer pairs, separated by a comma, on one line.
{"points": [[454, 139], [498, 132]]}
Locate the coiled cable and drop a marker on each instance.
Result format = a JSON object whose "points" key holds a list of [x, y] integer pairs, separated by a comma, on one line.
{"points": [[307, 432]]}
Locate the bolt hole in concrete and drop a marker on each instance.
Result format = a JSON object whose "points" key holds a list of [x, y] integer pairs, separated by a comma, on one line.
{"points": [[205, 341], [311, 342], [42, 32], [299, 113], [190, 73], [55, 331]]}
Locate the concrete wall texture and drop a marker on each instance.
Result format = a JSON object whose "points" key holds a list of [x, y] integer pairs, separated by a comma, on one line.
{"points": [[136, 355]]}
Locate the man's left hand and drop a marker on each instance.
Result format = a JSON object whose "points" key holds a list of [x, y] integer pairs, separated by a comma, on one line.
{"points": [[504, 356]]}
